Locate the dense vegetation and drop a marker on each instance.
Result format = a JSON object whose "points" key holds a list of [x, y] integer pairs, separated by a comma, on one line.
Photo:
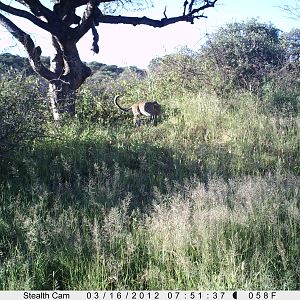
{"points": [[15, 63], [208, 199]]}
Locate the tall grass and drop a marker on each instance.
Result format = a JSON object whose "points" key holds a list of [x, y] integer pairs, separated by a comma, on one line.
{"points": [[241, 235], [209, 199]]}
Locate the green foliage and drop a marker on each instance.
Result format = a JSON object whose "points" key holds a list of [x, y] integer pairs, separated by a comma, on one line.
{"points": [[282, 96], [242, 55], [249, 56], [176, 73], [15, 63], [291, 44], [22, 113], [95, 99], [103, 72], [95, 106]]}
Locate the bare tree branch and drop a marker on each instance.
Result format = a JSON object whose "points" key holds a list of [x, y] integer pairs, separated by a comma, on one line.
{"points": [[34, 53], [191, 5], [38, 9], [207, 4], [293, 10], [79, 3], [28, 16], [93, 15], [165, 12], [145, 21], [190, 17], [184, 7]]}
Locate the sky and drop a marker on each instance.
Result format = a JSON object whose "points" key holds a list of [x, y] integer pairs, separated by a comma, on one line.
{"points": [[127, 45]]}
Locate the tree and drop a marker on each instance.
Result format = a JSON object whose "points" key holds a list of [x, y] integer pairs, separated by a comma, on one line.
{"points": [[293, 10], [67, 72], [241, 55]]}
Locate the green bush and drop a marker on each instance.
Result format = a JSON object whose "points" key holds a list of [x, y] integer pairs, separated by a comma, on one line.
{"points": [[177, 73], [95, 106], [22, 113], [242, 55], [281, 99], [95, 99]]}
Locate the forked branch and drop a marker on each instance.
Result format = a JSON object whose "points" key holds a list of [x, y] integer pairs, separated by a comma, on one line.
{"points": [[26, 15], [38, 9], [34, 53]]}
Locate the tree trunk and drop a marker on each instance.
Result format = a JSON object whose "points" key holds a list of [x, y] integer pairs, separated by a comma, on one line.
{"points": [[62, 99], [70, 72]]}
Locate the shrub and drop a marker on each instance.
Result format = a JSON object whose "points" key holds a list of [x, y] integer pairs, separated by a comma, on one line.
{"points": [[22, 113], [176, 73], [95, 105], [95, 99], [242, 55]]}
